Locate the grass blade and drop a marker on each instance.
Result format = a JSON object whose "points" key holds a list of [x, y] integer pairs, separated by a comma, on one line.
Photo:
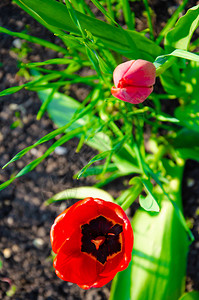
{"points": [[35, 40]]}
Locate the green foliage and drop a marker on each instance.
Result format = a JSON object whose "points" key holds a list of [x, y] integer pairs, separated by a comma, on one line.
{"points": [[128, 138], [129, 43], [160, 250], [180, 36], [149, 203], [35, 40]]}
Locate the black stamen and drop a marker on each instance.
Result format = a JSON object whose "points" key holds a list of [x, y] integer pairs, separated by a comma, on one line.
{"points": [[101, 227]]}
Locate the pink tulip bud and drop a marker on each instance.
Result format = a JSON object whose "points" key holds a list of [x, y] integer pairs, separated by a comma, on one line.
{"points": [[134, 81]]}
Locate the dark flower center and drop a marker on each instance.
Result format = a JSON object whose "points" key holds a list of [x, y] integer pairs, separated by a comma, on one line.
{"points": [[101, 238]]}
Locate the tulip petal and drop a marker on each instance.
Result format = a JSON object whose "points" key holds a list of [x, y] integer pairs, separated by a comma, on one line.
{"points": [[141, 73], [73, 265], [76, 215], [132, 94], [121, 70], [110, 210], [101, 281]]}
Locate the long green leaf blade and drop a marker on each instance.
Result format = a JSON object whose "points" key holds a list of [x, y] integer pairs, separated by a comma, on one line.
{"points": [[34, 39], [32, 165], [130, 43], [80, 193]]}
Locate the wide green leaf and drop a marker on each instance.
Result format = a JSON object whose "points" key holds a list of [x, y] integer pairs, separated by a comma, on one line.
{"points": [[160, 250], [180, 36], [120, 288], [62, 108], [130, 43]]}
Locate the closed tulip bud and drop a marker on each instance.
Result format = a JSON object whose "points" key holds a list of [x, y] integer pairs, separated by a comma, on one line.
{"points": [[133, 81]]}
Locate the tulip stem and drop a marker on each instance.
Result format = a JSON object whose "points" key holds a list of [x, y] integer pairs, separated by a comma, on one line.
{"points": [[137, 189], [165, 65]]}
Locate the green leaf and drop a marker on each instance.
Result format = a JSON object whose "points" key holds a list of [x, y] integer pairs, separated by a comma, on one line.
{"points": [[188, 116], [185, 54], [66, 110], [160, 251], [11, 90], [149, 202], [171, 22], [180, 36], [115, 175], [161, 60], [54, 61], [106, 69], [97, 170], [32, 165], [120, 288], [74, 17], [102, 9], [45, 105], [128, 195], [34, 39], [159, 255], [108, 153], [80, 193], [93, 58], [194, 295], [62, 108], [130, 43], [96, 158], [129, 16], [35, 82]]}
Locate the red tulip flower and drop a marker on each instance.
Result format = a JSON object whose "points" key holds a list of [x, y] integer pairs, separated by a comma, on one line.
{"points": [[134, 81], [93, 240]]}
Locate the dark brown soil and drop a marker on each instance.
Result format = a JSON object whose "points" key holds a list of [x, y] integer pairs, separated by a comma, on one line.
{"points": [[25, 222]]}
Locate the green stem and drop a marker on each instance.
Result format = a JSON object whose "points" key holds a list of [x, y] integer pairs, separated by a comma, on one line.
{"points": [[149, 19], [166, 65], [136, 192]]}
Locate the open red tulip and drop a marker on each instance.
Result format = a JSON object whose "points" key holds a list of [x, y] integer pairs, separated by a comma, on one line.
{"points": [[93, 240], [133, 81]]}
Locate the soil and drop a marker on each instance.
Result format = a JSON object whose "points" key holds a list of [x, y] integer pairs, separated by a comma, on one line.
{"points": [[25, 221]]}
